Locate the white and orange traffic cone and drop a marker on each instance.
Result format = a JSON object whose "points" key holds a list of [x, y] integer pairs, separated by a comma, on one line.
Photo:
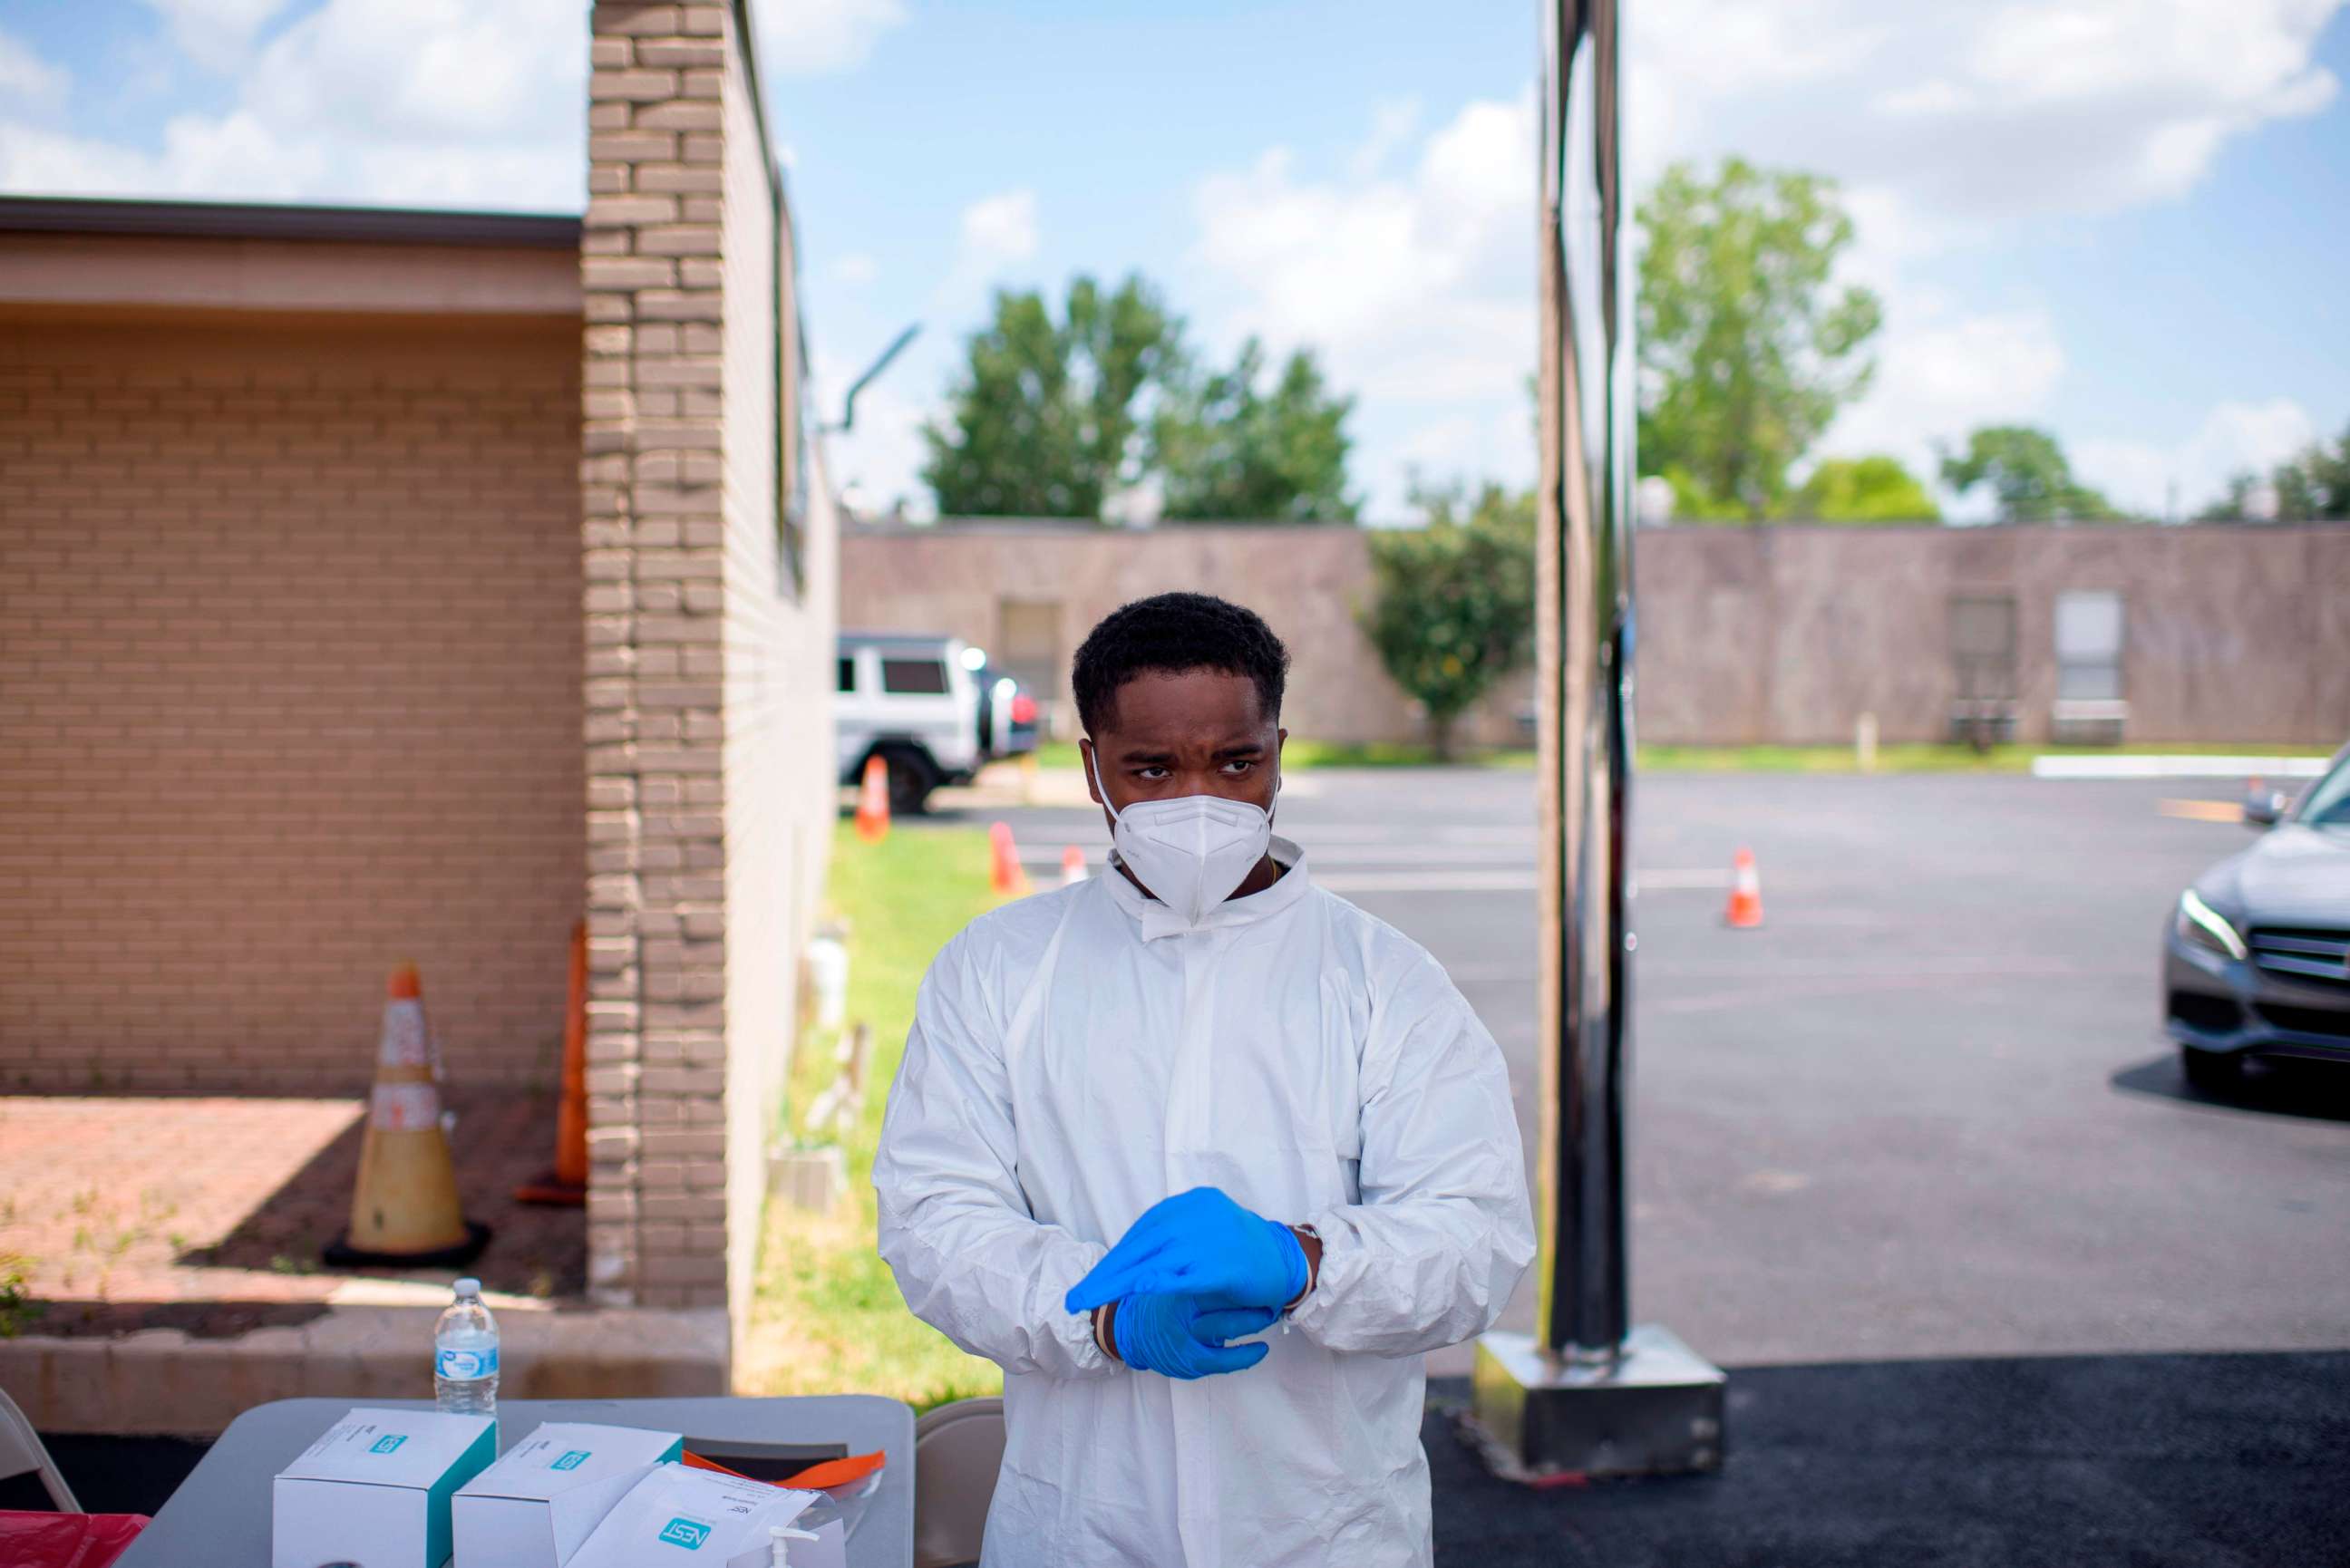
{"points": [[1005, 872], [873, 802], [1745, 891], [404, 1206], [1073, 866]]}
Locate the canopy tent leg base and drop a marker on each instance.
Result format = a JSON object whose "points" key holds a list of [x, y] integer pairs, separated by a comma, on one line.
{"points": [[1656, 1409]]}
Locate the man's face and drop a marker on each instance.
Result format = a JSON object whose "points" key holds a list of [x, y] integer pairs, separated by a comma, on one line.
{"points": [[1201, 732]]}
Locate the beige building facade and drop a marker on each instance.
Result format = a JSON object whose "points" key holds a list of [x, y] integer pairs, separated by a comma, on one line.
{"points": [[1776, 635], [379, 586]]}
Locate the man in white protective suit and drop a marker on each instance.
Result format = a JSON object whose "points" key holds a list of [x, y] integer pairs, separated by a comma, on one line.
{"points": [[1204, 1156]]}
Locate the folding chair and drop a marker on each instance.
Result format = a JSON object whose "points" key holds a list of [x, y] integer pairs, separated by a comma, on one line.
{"points": [[21, 1450], [958, 1448]]}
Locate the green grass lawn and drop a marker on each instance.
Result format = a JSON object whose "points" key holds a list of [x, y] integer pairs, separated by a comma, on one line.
{"points": [[827, 1317]]}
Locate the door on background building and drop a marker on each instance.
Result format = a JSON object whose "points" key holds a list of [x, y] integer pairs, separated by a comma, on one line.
{"points": [[1982, 663], [1028, 649]]}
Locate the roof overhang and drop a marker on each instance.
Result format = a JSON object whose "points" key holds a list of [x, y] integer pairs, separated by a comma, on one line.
{"points": [[205, 256]]}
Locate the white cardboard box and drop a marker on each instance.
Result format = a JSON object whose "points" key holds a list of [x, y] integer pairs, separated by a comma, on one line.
{"points": [[549, 1493], [682, 1518], [375, 1490]]}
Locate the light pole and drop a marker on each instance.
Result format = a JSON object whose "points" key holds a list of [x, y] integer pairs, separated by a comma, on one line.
{"points": [[1590, 1392]]}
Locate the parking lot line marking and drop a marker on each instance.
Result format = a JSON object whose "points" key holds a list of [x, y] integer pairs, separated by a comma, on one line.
{"points": [[2201, 810]]}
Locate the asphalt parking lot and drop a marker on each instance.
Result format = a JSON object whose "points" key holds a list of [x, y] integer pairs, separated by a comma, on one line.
{"points": [[1924, 1110]]}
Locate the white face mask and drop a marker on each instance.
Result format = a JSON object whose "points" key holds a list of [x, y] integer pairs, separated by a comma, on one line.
{"points": [[1191, 850]]}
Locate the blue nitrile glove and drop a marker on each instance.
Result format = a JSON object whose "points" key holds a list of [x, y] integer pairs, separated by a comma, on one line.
{"points": [[1198, 1243], [1183, 1337]]}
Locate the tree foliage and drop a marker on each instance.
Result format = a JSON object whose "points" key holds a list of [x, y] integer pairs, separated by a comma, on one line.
{"points": [[2028, 475], [1050, 417], [2314, 486], [1453, 604], [1227, 448], [1044, 420], [1862, 490], [1747, 347]]}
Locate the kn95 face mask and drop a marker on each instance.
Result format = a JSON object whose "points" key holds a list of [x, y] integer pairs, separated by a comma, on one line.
{"points": [[1190, 851]]}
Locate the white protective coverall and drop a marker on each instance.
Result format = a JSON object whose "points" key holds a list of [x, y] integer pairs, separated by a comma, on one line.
{"points": [[1077, 1056]]}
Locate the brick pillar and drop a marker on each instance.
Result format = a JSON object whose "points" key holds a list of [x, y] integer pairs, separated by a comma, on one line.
{"points": [[654, 533]]}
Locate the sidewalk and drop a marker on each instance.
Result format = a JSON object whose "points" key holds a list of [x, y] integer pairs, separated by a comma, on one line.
{"points": [[170, 1254]]}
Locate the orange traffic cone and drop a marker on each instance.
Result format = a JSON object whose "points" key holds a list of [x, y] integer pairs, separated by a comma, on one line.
{"points": [[405, 1208], [566, 1186], [1073, 865], [873, 802], [1745, 890], [1005, 872]]}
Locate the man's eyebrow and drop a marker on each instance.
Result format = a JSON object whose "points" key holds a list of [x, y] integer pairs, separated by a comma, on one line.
{"points": [[1241, 749], [1131, 758]]}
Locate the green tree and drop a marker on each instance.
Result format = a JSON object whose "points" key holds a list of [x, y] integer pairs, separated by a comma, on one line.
{"points": [[2314, 486], [1863, 490], [1044, 419], [1226, 447], [2027, 474], [1453, 602], [1747, 348]]}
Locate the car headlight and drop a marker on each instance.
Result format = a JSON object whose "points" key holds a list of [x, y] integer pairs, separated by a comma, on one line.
{"points": [[2205, 927]]}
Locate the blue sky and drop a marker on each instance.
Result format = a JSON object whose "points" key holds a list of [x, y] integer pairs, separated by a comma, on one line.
{"points": [[2121, 218]]}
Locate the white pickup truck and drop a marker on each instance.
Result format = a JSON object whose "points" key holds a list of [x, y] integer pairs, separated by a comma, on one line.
{"points": [[929, 708]]}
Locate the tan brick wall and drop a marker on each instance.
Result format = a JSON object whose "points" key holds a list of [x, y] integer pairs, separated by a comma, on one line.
{"points": [[708, 725], [289, 678]]}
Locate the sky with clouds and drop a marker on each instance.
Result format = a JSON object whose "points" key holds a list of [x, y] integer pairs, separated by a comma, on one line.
{"points": [[2122, 219]]}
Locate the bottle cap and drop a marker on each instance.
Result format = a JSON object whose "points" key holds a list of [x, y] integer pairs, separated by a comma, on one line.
{"points": [[469, 1287]]}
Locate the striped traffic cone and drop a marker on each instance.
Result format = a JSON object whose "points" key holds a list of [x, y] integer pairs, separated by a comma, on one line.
{"points": [[404, 1206], [1745, 891], [1073, 865]]}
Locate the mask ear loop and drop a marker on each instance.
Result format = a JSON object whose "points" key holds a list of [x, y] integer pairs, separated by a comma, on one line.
{"points": [[1093, 765]]}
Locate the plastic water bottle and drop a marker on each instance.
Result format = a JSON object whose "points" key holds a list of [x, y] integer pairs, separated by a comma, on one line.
{"points": [[465, 1356]]}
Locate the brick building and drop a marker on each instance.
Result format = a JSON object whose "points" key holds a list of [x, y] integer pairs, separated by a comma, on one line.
{"points": [[1782, 634], [380, 585]]}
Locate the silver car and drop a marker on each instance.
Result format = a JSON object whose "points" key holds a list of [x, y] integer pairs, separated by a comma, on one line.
{"points": [[2256, 962]]}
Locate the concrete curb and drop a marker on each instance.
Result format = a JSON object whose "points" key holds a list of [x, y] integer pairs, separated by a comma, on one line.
{"points": [[164, 1381]]}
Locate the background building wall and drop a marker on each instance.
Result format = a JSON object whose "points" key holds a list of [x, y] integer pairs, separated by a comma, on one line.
{"points": [[1778, 634], [289, 683], [709, 660]]}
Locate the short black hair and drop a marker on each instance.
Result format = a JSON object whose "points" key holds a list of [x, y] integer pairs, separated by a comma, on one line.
{"points": [[1168, 634]]}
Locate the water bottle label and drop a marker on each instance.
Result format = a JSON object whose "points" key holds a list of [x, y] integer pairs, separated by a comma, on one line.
{"points": [[465, 1365]]}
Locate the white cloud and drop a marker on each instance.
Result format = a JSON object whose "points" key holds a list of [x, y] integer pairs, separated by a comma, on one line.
{"points": [[1975, 113], [1000, 228], [2160, 480], [811, 37], [28, 79], [1415, 286], [215, 34], [454, 102], [1938, 376], [855, 269]]}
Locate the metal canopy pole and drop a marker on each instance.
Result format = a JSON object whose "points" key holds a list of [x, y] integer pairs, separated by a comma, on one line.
{"points": [[1590, 1393]]}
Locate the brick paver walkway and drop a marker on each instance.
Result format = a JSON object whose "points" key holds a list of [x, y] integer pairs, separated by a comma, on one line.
{"points": [[208, 1215]]}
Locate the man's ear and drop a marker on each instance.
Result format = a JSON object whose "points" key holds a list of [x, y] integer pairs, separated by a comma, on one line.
{"points": [[1089, 761]]}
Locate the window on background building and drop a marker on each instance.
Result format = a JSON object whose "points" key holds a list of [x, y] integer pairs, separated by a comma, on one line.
{"points": [[2089, 646], [1982, 665], [914, 677], [847, 675]]}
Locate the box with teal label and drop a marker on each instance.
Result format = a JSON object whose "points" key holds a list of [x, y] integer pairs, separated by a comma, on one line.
{"points": [[546, 1494], [678, 1517], [376, 1490]]}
